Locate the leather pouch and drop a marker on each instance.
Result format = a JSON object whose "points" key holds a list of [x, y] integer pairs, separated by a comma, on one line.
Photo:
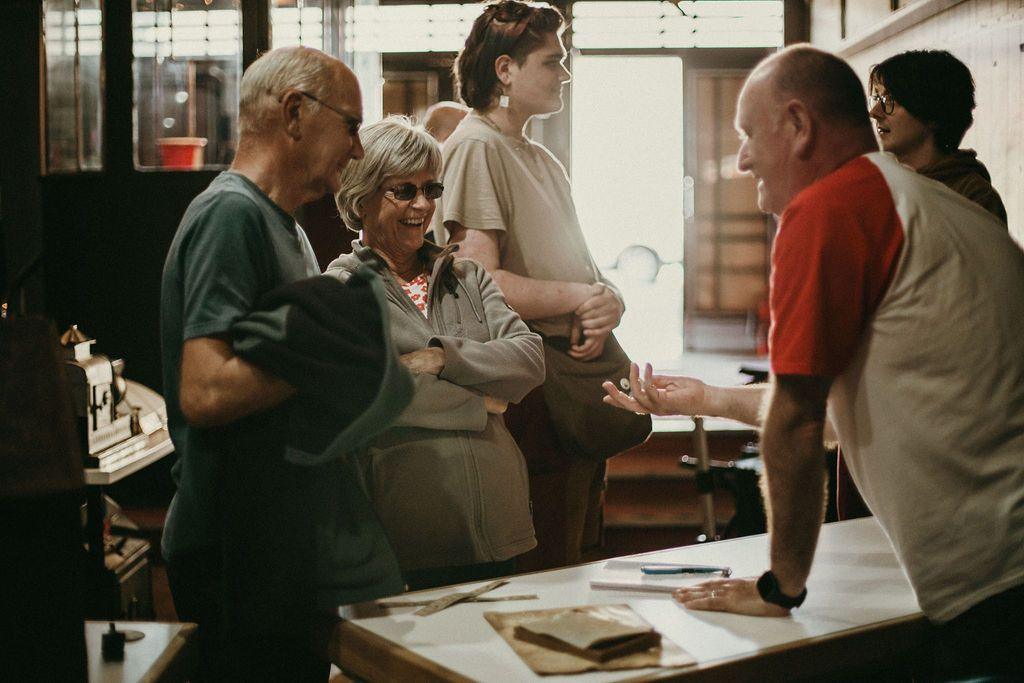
{"points": [[549, 641], [586, 426]]}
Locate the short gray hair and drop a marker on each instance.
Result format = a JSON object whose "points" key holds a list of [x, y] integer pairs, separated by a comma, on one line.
{"points": [[266, 79], [391, 147]]}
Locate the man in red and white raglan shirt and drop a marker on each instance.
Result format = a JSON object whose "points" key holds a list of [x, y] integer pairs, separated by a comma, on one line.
{"points": [[899, 305]]}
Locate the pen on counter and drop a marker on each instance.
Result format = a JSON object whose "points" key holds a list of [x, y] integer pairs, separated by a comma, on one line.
{"points": [[685, 569]]}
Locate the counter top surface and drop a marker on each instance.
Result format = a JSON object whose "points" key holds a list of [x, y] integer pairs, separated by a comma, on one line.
{"points": [[856, 584]]}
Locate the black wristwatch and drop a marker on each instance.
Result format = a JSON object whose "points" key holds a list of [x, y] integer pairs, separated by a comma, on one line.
{"points": [[768, 587]]}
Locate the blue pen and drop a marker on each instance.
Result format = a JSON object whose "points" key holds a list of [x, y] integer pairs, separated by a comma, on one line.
{"points": [[684, 569]]}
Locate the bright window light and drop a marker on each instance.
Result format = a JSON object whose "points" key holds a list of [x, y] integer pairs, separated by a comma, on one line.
{"points": [[602, 25], [189, 33], [629, 191], [410, 28]]}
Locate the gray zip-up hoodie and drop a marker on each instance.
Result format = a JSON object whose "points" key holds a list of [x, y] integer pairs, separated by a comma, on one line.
{"points": [[447, 480]]}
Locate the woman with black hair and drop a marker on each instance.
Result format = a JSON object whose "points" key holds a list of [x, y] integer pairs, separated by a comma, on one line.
{"points": [[921, 102]]}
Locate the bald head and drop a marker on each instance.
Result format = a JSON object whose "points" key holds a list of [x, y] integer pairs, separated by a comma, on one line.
{"points": [[826, 85], [801, 115], [442, 118]]}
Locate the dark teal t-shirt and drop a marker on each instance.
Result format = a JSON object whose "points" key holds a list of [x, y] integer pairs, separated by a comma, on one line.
{"points": [[233, 245]]}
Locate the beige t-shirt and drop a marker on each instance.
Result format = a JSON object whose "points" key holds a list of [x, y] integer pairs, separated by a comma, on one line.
{"points": [[517, 187]]}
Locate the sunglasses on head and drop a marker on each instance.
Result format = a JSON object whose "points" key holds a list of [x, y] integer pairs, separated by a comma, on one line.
{"points": [[407, 191]]}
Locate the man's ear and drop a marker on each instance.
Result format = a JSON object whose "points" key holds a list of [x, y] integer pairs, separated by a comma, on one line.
{"points": [[797, 117], [291, 113]]}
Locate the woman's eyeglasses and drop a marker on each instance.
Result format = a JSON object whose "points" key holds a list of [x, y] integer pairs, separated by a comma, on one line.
{"points": [[886, 100], [406, 192]]}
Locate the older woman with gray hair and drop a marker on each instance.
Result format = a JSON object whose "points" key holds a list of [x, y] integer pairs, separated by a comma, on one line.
{"points": [[447, 480]]}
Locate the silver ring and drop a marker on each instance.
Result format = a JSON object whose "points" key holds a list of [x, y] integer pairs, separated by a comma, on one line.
{"points": [[714, 595], [637, 412]]}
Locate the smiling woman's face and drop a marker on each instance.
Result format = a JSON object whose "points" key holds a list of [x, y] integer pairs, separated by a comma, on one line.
{"points": [[393, 226], [899, 132]]}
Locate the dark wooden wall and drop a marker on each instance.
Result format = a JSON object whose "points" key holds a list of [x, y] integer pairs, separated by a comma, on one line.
{"points": [[104, 234], [21, 237]]}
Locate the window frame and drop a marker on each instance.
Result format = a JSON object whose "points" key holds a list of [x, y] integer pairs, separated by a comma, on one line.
{"points": [[117, 84], [44, 100]]}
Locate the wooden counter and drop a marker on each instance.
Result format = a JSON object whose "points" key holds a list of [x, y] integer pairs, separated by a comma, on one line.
{"points": [[860, 608]]}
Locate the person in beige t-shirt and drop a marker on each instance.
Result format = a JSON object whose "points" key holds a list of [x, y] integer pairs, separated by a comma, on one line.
{"points": [[508, 203]]}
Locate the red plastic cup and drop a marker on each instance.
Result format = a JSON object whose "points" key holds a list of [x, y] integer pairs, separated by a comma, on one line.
{"points": [[181, 152]]}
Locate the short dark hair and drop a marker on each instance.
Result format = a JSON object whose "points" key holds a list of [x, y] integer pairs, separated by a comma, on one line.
{"points": [[935, 87], [824, 82], [508, 28]]}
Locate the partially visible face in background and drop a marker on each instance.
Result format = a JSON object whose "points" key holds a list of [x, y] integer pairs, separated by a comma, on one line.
{"points": [[900, 132]]}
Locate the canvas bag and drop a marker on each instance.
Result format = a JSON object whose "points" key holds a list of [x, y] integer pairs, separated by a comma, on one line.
{"points": [[586, 426]]}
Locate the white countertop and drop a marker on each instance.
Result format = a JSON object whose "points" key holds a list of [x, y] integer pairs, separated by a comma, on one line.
{"points": [[144, 660], [856, 582]]}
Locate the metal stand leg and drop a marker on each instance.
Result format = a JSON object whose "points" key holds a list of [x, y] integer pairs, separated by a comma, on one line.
{"points": [[705, 479]]}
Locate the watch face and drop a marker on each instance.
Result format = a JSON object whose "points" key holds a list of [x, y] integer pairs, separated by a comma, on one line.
{"points": [[767, 586]]}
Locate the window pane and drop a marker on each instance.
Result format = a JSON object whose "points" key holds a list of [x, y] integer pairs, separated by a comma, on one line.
{"points": [[299, 22], [647, 96], [604, 24], [72, 34], [411, 27], [90, 82], [188, 63]]}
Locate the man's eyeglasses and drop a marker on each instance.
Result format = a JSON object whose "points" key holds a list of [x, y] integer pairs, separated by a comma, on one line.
{"points": [[886, 100], [406, 192], [352, 122]]}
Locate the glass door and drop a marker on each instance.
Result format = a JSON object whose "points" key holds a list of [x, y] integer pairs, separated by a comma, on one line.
{"points": [[628, 185]]}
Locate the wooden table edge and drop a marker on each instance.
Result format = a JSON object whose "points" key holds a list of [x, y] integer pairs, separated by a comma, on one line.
{"points": [[168, 666], [809, 657], [373, 657]]}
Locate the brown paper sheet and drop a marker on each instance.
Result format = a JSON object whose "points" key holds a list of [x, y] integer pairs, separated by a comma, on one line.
{"points": [[547, 662]]}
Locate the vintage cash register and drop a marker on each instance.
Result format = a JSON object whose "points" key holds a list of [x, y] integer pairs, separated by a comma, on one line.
{"points": [[114, 416], [115, 419]]}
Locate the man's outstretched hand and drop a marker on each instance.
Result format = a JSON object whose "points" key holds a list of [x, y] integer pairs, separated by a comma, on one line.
{"points": [[658, 394]]}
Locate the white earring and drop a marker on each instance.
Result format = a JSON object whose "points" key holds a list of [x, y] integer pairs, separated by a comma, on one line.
{"points": [[503, 101]]}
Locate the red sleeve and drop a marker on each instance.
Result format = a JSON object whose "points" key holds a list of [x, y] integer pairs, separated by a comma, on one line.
{"points": [[837, 247]]}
